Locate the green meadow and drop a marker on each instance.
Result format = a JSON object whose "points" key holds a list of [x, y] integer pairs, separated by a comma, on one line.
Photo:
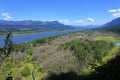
{"points": [[107, 38]]}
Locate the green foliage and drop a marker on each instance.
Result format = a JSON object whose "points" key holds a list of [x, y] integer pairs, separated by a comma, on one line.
{"points": [[61, 46], [39, 41], [115, 29], [108, 71], [88, 52], [22, 47], [89, 32], [39, 69], [25, 71], [43, 41], [107, 38], [30, 52], [80, 56]]}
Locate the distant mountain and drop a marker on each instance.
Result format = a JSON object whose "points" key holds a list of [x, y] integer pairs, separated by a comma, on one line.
{"points": [[115, 22], [28, 26], [52, 24], [113, 26], [30, 22]]}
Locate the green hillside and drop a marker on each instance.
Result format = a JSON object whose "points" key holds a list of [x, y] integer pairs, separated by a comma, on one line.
{"points": [[114, 29]]}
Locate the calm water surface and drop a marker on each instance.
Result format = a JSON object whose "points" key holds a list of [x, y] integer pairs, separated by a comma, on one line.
{"points": [[30, 37]]}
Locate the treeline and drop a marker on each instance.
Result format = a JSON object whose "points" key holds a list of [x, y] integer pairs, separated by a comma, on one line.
{"points": [[114, 29], [27, 47], [37, 42]]}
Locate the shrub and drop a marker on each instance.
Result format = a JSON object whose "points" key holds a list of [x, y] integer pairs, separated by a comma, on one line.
{"points": [[39, 69], [25, 71], [30, 52]]}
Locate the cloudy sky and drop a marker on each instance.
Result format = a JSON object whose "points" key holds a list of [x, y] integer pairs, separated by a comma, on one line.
{"points": [[73, 12]]}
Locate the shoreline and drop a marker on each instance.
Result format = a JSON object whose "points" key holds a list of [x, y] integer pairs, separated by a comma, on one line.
{"points": [[17, 33]]}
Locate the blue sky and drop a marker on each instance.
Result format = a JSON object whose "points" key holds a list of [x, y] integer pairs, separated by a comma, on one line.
{"points": [[73, 12]]}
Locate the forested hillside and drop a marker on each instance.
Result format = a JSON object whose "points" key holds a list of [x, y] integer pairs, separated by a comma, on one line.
{"points": [[113, 26], [69, 56]]}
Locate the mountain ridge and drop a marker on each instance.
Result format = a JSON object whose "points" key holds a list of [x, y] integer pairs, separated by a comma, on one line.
{"points": [[113, 26], [27, 22], [29, 26], [114, 22]]}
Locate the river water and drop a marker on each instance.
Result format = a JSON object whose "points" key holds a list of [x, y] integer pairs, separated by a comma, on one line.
{"points": [[30, 37]]}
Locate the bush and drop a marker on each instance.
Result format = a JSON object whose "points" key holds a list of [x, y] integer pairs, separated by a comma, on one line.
{"points": [[30, 52], [25, 71]]}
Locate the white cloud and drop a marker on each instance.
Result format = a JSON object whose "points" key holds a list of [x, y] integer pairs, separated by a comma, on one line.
{"points": [[65, 21], [115, 12], [112, 10], [6, 16], [118, 10], [76, 22], [90, 19], [79, 21]]}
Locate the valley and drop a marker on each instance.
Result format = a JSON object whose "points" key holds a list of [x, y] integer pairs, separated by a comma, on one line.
{"points": [[60, 40]]}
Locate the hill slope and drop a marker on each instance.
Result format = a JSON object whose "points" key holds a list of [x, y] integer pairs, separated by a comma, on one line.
{"points": [[109, 71], [74, 52], [113, 26]]}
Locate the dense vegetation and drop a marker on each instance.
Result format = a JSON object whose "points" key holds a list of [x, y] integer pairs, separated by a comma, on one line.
{"points": [[88, 52], [114, 29], [112, 26], [109, 71], [70, 56]]}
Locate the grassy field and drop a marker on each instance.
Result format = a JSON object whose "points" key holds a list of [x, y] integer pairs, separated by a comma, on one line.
{"points": [[107, 38]]}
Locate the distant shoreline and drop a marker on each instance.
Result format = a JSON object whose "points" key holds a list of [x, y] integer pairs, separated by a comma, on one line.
{"points": [[24, 33], [18, 38]]}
